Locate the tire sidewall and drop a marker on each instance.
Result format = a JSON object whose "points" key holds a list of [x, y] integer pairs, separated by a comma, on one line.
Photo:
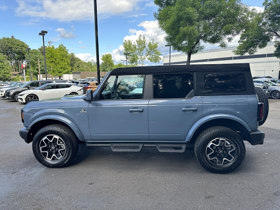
{"points": [[219, 132], [68, 138]]}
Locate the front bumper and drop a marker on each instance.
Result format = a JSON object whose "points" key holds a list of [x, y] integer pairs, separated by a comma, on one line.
{"points": [[257, 137], [24, 133]]}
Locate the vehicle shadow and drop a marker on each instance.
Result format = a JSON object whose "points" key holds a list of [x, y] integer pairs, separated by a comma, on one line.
{"points": [[147, 158]]}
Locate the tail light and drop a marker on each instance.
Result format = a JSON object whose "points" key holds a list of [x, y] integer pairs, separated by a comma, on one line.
{"points": [[260, 111]]}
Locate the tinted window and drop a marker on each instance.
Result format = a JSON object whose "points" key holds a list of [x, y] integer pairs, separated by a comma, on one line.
{"points": [[34, 84], [224, 82], [172, 85], [124, 87]]}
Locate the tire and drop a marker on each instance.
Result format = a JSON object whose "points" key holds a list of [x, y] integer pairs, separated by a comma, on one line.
{"points": [[15, 97], [73, 94], [219, 150], [263, 98], [275, 94], [31, 97], [55, 146]]}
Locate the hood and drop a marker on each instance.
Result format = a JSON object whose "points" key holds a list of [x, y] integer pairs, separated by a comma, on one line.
{"points": [[56, 104]]}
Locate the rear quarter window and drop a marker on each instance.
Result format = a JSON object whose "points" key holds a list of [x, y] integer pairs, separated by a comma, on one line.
{"points": [[224, 83]]}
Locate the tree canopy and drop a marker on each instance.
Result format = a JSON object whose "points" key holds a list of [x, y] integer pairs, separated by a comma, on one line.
{"points": [[191, 23], [5, 68], [107, 62], [137, 52], [14, 50], [261, 29]]}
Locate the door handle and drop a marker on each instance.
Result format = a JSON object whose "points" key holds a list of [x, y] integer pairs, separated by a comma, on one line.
{"points": [[189, 109], [136, 110]]}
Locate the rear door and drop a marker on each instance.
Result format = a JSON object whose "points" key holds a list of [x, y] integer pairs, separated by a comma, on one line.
{"points": [[174, 108]]}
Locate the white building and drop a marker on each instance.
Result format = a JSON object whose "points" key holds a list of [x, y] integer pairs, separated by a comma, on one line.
{"points": [[262, 63]]}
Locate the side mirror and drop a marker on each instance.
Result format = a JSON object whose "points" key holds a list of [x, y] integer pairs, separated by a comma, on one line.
{"points": [[88, 96]]}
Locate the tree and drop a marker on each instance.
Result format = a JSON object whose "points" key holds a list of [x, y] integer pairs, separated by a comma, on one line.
{"points": [[262, 28], [14, 50], [190, 23], [130, 52], [137, 52], [58, 60], [153, 53], [5, 68], [107, 62], [35, 55]]}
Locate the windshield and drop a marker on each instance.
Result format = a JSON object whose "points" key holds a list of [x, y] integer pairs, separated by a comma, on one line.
{"points": [[25, 84]]}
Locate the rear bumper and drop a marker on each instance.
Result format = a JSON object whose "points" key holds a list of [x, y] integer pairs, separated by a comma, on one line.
{"points": [[257, 137]]}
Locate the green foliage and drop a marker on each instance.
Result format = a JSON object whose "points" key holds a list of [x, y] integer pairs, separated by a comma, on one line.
{"points": [[130, 51], [58, 60], [35, 57], [153, 54], [188, 23], [261, 29], [137, 52], [107, 62], [13, 49], [5, 68]]}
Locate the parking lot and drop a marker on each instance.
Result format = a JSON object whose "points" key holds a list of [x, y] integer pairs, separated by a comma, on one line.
{"points": [[101, 179]]}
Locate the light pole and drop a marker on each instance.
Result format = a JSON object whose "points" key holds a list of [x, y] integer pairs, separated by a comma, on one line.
{"points": [[43, 33], [29, 63], [169, 45], [96, 41]]}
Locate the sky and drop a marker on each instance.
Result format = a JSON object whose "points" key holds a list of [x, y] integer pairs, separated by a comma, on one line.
{"points": [[71, 23]]}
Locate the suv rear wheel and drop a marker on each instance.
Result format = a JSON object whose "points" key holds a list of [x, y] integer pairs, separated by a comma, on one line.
{"points": [[219, 149], [55, 146]]}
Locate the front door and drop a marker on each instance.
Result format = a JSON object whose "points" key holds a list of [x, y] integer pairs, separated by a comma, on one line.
{"points": [[120, 113]]}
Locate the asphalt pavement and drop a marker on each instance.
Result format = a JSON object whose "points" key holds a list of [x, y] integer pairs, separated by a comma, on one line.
{"points": [[100, 179]]}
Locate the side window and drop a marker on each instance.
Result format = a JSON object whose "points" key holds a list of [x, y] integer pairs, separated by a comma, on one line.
{"points": [[224, 83], [44, 82], [50, 86], [172, 85], [60, 86], [124, 87], [34, 84]]}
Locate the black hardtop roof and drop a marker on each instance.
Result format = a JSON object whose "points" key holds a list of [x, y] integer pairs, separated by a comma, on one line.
{"points": [[181, 69]]}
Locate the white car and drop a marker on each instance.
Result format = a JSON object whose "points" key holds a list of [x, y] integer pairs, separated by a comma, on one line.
{"points": [[49, 91], [5, 88]]}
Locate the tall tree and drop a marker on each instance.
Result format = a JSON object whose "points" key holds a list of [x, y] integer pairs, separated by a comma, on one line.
{"points": [[130, 52], [107, 62], [35, 55], [5, 68], [153, 54], [190, 23], [14, 50], [58, 60], [262, 28], [137, 52]]}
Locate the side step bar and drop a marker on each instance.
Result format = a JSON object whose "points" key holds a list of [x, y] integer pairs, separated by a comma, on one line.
{"points": [[126, 147]]}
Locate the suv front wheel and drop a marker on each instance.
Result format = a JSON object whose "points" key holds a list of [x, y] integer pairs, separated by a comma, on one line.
{"points": [[219, 149], [54, 146]]}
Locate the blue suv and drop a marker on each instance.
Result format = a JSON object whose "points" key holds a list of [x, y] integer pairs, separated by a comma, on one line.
{"points": [[212, 108]]}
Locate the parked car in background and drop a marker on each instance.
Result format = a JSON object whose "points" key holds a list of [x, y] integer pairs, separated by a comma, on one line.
{"points": [[4, 89], [270, 88], [90, 86], [12, 94], [49, 91]]}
